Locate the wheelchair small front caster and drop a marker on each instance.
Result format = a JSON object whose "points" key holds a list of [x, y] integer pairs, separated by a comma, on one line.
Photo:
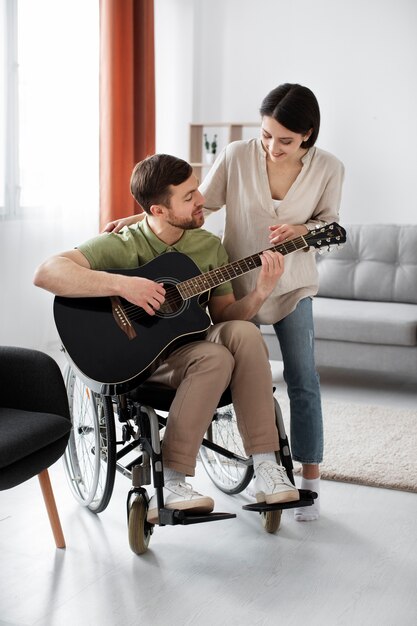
{"points": [[139, 529], [271, 520], [271, 513]]}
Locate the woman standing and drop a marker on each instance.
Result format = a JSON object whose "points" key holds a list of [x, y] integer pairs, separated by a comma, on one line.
{"points": [[275, 188], [283, 185]]}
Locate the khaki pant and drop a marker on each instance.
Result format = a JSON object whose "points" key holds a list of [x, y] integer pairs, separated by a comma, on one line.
{"points": [[234, 354]]}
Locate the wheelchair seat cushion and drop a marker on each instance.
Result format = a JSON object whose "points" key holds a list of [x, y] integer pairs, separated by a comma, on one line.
{"points": [[23, 433], [160, 397]]}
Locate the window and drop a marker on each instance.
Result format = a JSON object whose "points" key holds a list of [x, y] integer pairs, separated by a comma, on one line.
{"points": [[8, 60], [48, 106]]}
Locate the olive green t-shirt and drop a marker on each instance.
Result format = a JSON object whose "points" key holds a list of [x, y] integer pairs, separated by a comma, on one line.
{"points": [[136, 245]]}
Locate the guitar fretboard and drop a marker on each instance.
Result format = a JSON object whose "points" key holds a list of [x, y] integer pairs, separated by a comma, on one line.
{"points": [[203, 282]]}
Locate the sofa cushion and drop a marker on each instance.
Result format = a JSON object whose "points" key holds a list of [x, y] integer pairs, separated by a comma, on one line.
{"points": [[378, 262], [386, 323]]}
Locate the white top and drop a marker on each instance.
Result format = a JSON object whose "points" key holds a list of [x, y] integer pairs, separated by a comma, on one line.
{"points": [[239, 180], [276, 204]]}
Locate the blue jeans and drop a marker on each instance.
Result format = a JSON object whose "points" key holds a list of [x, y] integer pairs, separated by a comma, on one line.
{"points": [[296, 338]]}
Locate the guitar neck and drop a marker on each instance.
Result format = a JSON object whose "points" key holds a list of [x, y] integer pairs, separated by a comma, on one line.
{"points": [[203, 282]]}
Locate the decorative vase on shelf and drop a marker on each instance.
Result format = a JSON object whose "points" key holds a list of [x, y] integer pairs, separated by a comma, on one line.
{"points": [[211, 149]]}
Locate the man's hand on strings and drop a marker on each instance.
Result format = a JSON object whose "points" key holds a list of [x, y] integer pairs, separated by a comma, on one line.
{"points": [[143, 292]]}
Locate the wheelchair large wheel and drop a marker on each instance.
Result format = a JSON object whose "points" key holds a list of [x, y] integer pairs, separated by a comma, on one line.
{"points": [[90, 456], [230, 475]]}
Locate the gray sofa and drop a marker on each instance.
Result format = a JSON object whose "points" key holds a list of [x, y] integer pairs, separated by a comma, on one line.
{"points": [[365, 313]]}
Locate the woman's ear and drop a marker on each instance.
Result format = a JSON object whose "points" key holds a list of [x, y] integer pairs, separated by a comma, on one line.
{"points": [[308, 135]]}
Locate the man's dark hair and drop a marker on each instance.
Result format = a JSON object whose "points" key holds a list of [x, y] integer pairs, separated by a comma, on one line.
{"points": [[296, 108], [151, 178]]}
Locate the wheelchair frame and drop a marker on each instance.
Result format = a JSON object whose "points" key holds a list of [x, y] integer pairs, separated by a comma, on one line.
{"points": [[96, 449]]}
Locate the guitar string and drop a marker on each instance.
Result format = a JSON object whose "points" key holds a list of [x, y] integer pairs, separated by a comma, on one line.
{"points": [[173, 296], [229, 268], [136, 312]]}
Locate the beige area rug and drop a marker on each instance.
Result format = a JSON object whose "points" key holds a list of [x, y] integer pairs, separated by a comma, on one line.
{"points": [[367, 445]]}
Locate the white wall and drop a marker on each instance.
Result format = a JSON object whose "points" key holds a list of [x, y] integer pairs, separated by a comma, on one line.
{"points": [[174, 61], [359, 57]]}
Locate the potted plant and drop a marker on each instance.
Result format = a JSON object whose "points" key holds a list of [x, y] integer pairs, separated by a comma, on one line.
{"points": [[211, 148]]}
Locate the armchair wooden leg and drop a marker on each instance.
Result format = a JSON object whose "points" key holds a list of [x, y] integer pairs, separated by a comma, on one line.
{"points": [[48, 496]]}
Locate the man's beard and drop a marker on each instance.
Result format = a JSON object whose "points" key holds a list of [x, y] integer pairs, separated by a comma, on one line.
{"points": [[187, 224]]}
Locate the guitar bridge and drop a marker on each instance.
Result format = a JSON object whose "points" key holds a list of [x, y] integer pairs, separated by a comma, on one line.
{"points": [[121, 317]]}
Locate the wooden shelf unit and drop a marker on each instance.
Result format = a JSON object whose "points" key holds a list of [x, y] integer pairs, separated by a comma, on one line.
{"points": [[230, 132]]}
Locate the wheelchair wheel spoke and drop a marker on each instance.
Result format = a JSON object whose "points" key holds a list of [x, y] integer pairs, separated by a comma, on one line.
{"points": [[91, 445], [228, 474]]}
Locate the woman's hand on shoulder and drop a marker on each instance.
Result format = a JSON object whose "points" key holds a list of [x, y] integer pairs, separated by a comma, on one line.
{"points": [[284, 232], [116, 225]]}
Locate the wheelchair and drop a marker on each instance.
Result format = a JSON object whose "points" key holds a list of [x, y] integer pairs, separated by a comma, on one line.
{"points": [[123, 433]]}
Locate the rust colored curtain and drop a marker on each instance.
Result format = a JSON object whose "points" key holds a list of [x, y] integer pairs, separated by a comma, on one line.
{"points": [[127, 100]]}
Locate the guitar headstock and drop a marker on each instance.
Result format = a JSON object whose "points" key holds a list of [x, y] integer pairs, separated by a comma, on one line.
{"points": [[326, 236]]}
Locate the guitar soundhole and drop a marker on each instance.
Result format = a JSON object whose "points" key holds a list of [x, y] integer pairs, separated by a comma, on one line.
{"points": [[174, 305]]}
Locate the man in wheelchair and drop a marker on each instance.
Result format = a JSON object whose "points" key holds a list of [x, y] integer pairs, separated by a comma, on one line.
{"points": [[232, 351]]}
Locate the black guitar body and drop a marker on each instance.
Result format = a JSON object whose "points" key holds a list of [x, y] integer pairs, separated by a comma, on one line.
{"points": [[114, 345]]}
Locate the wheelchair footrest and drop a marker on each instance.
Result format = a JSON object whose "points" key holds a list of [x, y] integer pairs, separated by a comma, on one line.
{"points": [[174, 516], [306, 499]]}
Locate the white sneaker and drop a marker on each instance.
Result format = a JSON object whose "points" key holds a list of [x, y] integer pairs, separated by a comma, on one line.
{"points": [[180, 496], [272, 484]]}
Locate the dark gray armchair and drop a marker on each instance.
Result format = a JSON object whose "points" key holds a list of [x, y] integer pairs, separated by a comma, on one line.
{"points": [[34, 422]]}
